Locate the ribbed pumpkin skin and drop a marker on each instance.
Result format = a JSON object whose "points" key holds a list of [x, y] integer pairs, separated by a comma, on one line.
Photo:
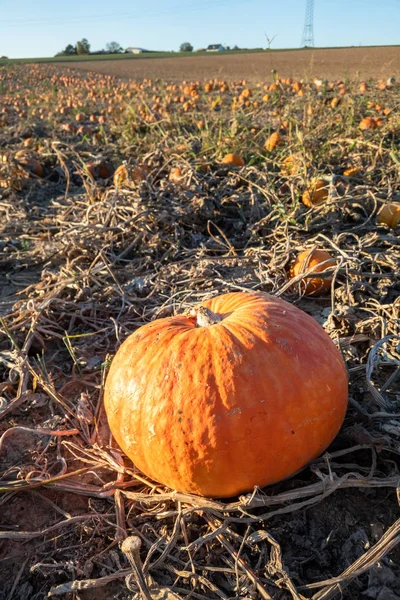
{"points": [[217, 410]]}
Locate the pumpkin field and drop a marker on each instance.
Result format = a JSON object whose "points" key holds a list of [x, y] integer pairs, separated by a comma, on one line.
{"points": [[126, 201]]}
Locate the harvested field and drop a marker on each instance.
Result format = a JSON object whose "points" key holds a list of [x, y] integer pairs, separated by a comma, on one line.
{"points": [[117, 209], [341, 63]]}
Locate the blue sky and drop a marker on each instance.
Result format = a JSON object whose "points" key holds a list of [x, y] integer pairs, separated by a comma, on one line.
{"points": [[41, 28]]}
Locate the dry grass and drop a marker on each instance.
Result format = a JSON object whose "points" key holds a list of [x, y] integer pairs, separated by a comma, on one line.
{"points": [[84, 263]]}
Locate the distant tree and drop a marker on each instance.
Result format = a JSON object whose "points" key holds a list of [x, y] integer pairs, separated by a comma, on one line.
{"points": [[83, 46], [68, 51], [235, 47], [4, 57], [186, 47], [114, 48]]}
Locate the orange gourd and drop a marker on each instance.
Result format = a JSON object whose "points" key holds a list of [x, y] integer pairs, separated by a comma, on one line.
{"points": [[316, 194], [368, 123], [28, 161], [233, 159], [175, 174], [291, 165], [99, 169], [315, 261], [352, 172], [389, 215], [125, 176], [273, 141], [245, 390]]}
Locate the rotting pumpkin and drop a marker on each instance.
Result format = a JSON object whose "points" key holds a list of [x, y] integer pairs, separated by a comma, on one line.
{"points": [[244, 390], [389, 215]]}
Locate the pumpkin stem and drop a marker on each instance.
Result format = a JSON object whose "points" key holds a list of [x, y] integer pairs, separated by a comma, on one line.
{"points": [[205, 317]]}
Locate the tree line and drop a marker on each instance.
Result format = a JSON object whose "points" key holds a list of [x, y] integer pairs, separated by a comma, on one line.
{"points": [[83, 47]]}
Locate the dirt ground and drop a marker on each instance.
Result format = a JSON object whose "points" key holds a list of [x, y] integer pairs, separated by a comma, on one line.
{"points": [[362, 63], [86, 258]]}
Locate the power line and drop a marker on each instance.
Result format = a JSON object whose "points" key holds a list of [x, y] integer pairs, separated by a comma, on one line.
{"points": [[307, 40]]}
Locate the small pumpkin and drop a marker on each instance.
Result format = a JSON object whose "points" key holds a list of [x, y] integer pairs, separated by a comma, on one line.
{"points": [[368, 123], [352, 172], [233, 159], [121, 175], [175, 174], [99, 169], [291, 165], [219, 400], [246, 93], [28, 161], [139, 173], [274, 140], [125, 176], [389, 215], [316, 194], [315, 261], [84, 130]]}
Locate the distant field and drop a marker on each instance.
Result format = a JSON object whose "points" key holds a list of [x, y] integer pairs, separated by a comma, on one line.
{"points": [[107, 57], [376, 62]]}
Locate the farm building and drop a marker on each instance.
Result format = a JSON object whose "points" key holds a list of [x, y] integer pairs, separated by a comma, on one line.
{"points": [[136, 50], [215, 48]]}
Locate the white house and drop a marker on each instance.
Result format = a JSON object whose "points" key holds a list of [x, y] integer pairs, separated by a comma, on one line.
{"points": [[215, 48], [136, 50]]}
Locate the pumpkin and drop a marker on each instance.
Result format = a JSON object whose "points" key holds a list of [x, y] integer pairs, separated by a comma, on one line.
{"points": [[352, 172], [139, 173], [316, 194], [99, 169], [315, 261], [291, 165], [175, 174], [244, 390], [368, 123], [125, 176], [246, 93], [389, 215], [28, 161], [84, 130], [273, 141], [121, 175], [233, 159]]}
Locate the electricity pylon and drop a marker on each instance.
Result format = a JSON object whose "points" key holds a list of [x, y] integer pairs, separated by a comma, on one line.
{"points": [[308, 31]]}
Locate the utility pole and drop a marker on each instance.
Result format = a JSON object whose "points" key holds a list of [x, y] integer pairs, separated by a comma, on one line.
{"points": [[307, 40]]}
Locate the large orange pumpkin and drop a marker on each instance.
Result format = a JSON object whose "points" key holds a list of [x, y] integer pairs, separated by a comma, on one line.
{"points": [[245, 390]]}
